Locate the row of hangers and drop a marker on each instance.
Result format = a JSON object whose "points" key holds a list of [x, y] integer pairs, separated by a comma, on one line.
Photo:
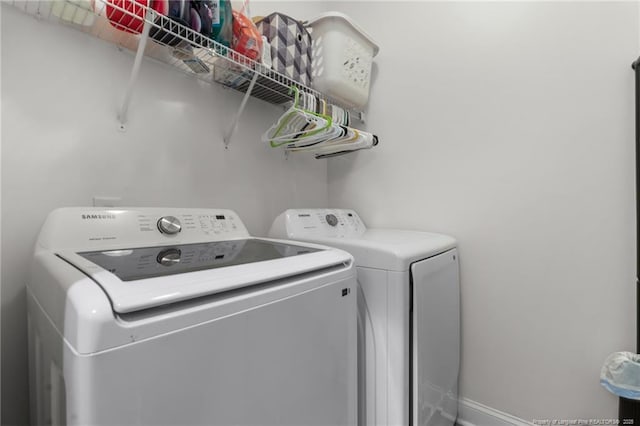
{"points": [[312, 124]]}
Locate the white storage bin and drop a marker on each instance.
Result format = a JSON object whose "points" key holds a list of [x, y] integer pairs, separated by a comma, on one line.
{"points": [[77, 11], [342, 58]]}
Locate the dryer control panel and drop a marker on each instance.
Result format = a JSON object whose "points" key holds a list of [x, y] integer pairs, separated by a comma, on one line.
{"points": [[99, 228], [318, 223]]}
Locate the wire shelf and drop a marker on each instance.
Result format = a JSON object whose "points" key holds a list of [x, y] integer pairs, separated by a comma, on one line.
{"points": [[125, 22]]}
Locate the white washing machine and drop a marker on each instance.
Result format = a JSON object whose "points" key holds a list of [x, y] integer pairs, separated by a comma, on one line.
{"points": [[409, 314], [178, 317]]}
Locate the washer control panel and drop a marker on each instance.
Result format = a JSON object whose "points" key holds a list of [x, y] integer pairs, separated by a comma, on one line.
{"points": [[214, 223], [309, 223], [125, 228]]}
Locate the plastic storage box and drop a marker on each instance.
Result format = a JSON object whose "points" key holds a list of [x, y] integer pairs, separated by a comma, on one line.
{"points": [[290, 44], [342, 58]]}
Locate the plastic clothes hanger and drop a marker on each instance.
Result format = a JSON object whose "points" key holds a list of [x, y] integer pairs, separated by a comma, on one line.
{"points": [[296, 123], [347, 139], [334, 132], [347, 135], [308, 125], [302, 131], [369, 141]]}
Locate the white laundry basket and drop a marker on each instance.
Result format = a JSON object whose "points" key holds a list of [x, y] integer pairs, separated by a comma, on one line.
{"points": [[342, 58], [79, 12]]}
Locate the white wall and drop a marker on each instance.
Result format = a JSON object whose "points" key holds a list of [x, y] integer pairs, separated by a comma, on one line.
{"points": [[510, 126], [61, 146]]}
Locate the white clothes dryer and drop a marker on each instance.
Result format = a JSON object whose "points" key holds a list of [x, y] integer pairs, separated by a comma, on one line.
{"points": [[408, 314], [158, 316]]}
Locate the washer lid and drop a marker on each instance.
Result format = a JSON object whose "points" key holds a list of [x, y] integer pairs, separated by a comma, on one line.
{"points": [[391, 249], [141, 278]]}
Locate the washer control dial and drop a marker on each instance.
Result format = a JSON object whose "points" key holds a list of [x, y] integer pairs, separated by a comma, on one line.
{"points": [[169, 225], [169, 257], [331, 219]]}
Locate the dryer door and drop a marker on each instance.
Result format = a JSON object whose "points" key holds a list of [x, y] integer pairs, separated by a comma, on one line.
{"points": [[435, 339]]}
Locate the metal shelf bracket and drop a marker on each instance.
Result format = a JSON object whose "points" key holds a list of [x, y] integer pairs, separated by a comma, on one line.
{"points": [[133, 78], [234, 123]]}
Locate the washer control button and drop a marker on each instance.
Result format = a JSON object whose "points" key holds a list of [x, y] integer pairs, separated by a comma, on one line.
{"points": [[331, 219], [169, 225]]}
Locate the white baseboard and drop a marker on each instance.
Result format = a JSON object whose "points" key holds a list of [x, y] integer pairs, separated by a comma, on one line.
{"points": [[471, 413]]}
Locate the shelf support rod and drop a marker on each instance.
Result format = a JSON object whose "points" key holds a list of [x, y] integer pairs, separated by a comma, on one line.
{"points": [[234, 123], [133, 78]]}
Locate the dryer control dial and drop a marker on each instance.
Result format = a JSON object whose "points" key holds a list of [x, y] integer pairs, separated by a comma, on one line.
{"points": [[331, 219], [169, 225]]}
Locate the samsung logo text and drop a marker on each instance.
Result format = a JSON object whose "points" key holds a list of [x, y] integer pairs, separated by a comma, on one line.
{"points": [[98, 216]]}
